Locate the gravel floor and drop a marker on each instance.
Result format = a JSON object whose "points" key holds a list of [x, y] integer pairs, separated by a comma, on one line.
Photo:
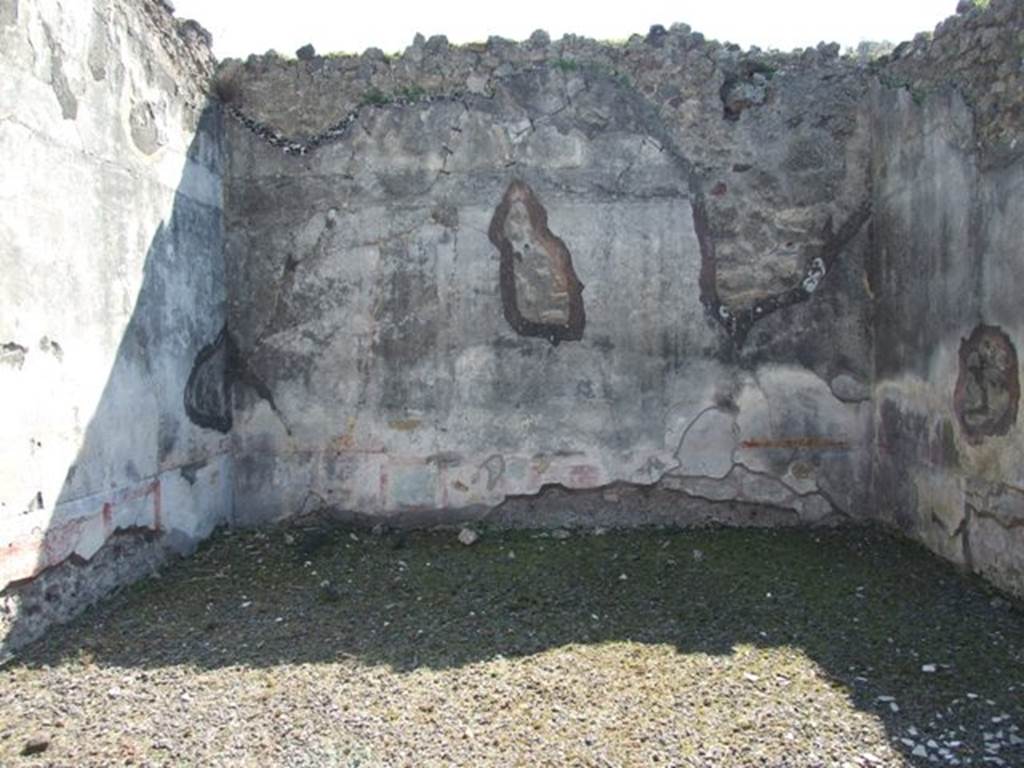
{"points": [[713, 648]]}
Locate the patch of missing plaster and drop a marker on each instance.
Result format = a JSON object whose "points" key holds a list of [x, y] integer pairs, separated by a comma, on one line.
{"points": [[737, 321], [13, 354], [987, 390], [58, 79], [540, 292]]}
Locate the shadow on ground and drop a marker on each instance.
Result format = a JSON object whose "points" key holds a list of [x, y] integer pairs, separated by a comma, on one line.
{"points": [[876, 615]]}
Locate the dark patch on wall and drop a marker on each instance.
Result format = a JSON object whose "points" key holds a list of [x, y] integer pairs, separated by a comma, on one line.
{"points": [[13, 354], [738, 321], [902, 442], [191, 471], [59, 80], [540, 292], [208, 390], [218, 368], [944, 452], [988, 386], [46, 344]]}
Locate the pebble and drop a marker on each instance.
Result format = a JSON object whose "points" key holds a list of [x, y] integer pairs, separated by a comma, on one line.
{"points": [[36, 745], [468, 536]]}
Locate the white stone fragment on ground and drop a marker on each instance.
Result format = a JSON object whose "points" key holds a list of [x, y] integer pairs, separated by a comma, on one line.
{"points": [[920, 751], [928, 668], [468, 536]]}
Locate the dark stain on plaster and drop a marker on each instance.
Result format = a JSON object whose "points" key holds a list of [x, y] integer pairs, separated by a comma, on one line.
{"points": [[208, 390], [540, 292], [219, 367], [987, 390], [13, 354], [191, 471], [738, 321], [46, 344], [58, 79]]}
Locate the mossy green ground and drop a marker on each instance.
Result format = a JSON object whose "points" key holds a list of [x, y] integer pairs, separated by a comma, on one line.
{"points": [[688, 648]]}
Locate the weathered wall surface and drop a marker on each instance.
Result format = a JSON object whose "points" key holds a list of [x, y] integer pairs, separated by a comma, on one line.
{"points": [[463, 275], [110, 250], [543, 283], [949, 212]]}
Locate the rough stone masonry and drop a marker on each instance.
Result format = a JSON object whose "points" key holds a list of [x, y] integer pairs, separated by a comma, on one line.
{"points": [[550, 282]]}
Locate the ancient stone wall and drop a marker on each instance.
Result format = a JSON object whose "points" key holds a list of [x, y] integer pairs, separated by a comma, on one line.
{"points": [[110, 251]]}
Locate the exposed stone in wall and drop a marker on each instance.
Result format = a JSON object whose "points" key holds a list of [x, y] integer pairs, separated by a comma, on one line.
{"points": [[977, 52], [28, 608], [540, 292]]}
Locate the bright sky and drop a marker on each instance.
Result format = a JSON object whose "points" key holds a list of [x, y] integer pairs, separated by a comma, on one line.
{"points": [[241, 27]]}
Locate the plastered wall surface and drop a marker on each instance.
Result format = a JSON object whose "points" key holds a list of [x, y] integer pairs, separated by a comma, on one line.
{"points": [[539, 283], [471, 274], [110, 250]]}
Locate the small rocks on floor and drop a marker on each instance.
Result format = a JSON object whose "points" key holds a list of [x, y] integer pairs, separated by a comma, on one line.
{"points": [[328, 593], [36, 745], [468, 536]]}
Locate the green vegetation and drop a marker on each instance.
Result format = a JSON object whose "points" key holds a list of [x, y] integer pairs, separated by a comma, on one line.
{"points": [[407, 94], [376, 97]]}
